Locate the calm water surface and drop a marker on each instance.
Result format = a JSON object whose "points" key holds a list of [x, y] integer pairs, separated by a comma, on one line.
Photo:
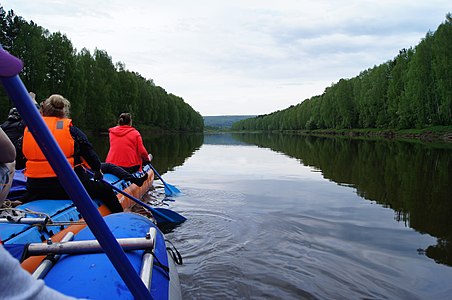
{"points": [[290, 217]]}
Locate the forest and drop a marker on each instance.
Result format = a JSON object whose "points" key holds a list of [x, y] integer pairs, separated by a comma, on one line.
{"points": [[98, 89], [413, 90]]}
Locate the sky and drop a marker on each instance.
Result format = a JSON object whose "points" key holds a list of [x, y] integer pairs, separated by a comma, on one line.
{"points": [[241, 57]]}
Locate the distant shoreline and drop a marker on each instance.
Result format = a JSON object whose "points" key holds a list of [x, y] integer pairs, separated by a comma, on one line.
{"points": [[433, 134], [423, 135]]}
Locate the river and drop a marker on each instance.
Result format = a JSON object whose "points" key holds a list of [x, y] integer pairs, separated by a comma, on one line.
{"points": [[273, 216]]}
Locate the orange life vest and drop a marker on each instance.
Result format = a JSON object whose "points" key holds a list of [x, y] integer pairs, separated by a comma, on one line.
{"points": [[37, 165]]}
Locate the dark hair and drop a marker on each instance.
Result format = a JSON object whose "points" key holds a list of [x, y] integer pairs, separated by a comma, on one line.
{"points": [[125, 119], [55, 106], [14, 115]]}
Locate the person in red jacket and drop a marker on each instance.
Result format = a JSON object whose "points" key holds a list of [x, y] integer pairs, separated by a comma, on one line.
{"points": [[126, 146]]}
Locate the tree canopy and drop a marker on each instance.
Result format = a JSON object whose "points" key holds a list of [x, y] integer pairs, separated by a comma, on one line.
{"points": [[414, 90], [98, 89]]}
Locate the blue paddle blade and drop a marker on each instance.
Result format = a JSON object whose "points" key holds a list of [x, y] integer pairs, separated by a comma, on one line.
{"points": [[170, 216], [171, 190], [161, 215]]}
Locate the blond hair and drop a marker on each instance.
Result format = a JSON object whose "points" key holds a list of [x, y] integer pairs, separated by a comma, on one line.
{"points": [[55, 106]]}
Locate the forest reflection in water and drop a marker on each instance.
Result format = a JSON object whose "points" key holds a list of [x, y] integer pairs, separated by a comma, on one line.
{"points": [[168, 150], [413, 179]]}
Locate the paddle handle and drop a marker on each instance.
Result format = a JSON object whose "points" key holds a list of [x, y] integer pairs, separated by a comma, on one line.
{"points": [[157, 173]]}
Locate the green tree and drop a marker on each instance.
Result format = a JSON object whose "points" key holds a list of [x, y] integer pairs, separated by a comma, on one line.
{"points": [[396, 86], [419, 90], [60, 65], [441, 67]]}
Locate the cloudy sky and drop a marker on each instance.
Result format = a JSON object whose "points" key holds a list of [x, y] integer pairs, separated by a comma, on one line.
{"points": [[241, 57]]}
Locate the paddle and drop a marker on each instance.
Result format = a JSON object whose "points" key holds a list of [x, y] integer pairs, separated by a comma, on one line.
{"points": [[170, 190], [161, 215], [10, 67]]}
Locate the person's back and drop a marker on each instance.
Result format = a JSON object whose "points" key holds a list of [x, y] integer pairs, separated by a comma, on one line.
{"points": [[126, 145], [42, 181], [123, 146], [14, 128]]}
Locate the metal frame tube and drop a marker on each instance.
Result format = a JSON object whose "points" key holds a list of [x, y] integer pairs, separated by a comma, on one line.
{"points": [[45, 266], [30, 221], [89, 246], [147, 262]]}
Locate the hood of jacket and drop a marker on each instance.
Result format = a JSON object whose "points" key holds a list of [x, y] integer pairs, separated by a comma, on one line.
{"points": [[121, 130]]}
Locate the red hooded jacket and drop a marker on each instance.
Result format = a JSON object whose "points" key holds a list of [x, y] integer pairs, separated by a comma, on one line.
{"points": [[126, 147]]}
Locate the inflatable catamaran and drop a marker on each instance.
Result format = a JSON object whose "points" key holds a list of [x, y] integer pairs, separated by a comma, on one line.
{"points": [[77, 246]]}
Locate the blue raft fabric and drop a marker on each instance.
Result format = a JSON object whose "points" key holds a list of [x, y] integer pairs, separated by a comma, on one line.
{"points": [[8, 231], [24, 233], [93, 276], [16, 250], [18, 187], [58, 210], [50, 207]]}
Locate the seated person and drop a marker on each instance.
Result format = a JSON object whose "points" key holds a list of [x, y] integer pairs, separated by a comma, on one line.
{"points": [[14, 128], [126, 146], [42, 182], [15, 282]]}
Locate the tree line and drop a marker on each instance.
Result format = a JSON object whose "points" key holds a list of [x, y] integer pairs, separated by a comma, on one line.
{"points": [[98, 89], [414, 90]]}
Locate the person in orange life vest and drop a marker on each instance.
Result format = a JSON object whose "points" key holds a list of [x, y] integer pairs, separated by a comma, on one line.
{"points": [[126, 146], [15, 282], [42, 182], [14, 129]]}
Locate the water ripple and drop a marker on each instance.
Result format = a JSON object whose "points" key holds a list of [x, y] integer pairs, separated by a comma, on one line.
{"points": [[239, 247]]}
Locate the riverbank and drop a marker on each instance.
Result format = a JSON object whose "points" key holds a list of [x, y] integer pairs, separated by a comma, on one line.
{"points": [[442, 134], [430, 134]]}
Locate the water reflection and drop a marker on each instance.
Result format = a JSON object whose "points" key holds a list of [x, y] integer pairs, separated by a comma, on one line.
{"points": [[222, 139], [413, 179], [169, 151]]}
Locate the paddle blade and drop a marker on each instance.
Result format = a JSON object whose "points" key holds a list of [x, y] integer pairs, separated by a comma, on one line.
{"points": [[170, 216], [171, 190]]}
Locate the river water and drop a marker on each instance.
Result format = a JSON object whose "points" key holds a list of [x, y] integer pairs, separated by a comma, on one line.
{"points": [[295, 217]]}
